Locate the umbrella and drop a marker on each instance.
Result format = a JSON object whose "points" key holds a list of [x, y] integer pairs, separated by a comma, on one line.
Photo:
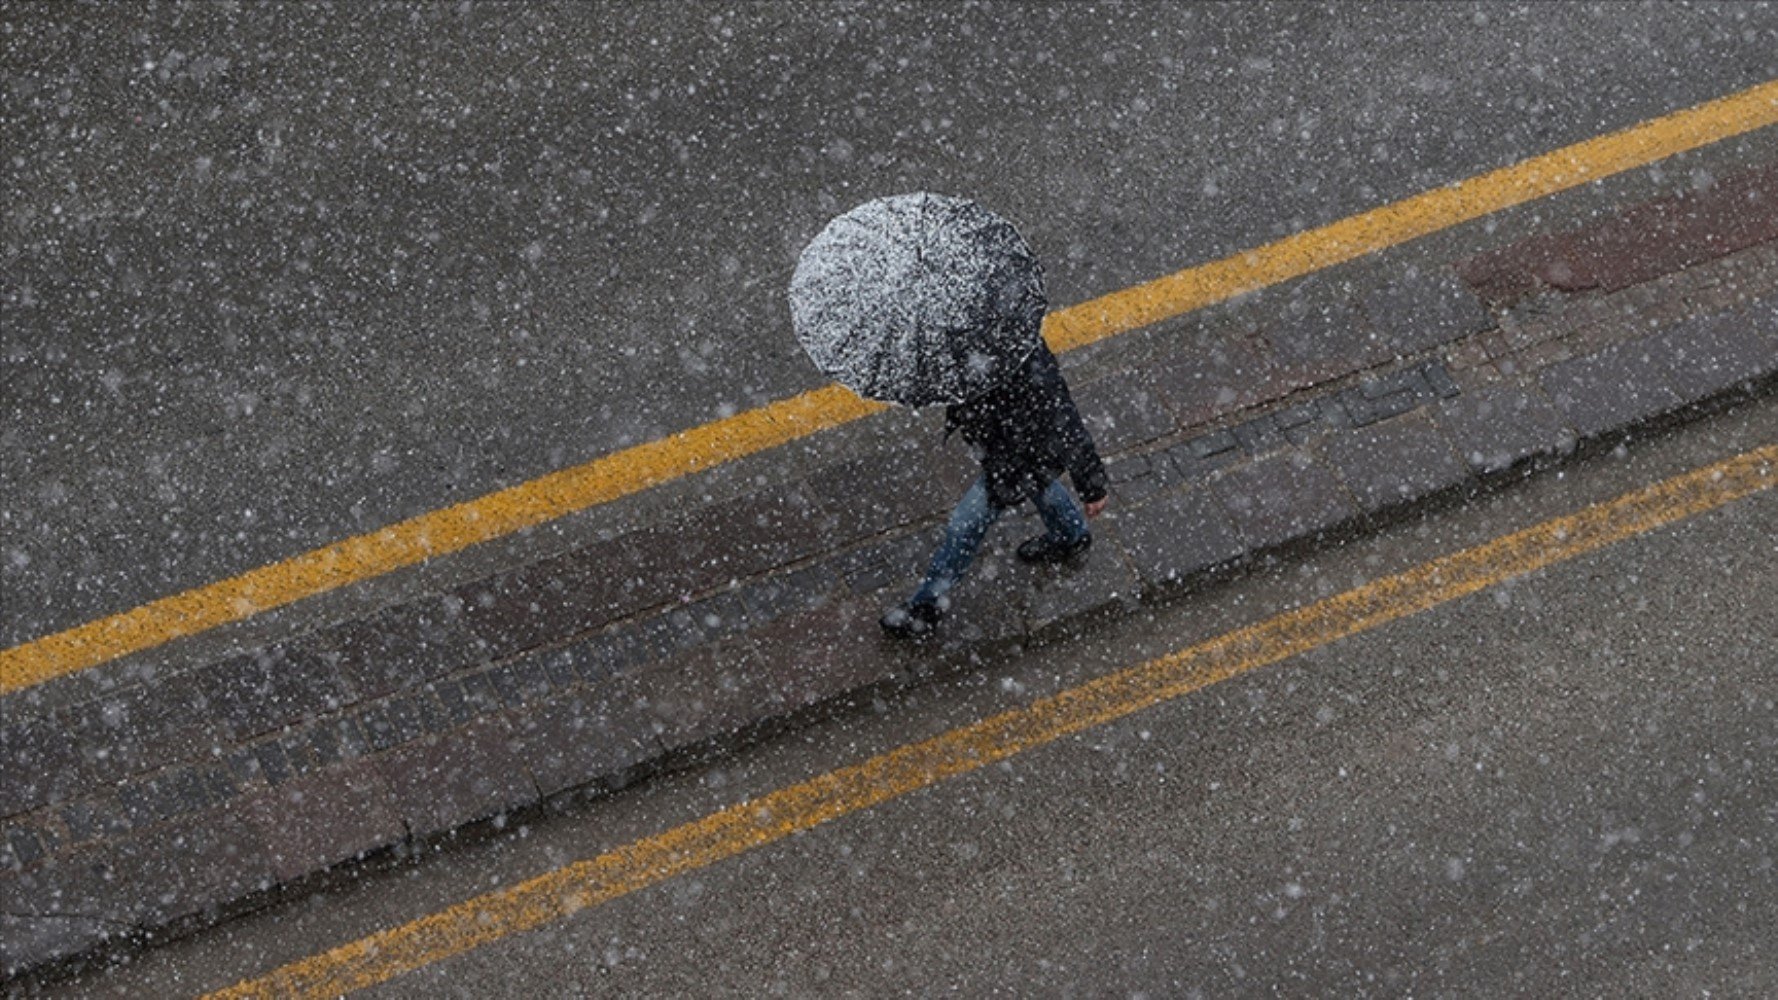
{"points": [[918, 299]]}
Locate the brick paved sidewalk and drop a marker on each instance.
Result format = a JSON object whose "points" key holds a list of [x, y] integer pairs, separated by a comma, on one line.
{"points": [[158, 805]]}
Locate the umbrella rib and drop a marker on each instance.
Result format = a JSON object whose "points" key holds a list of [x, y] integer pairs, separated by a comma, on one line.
{"points": [[886, 356]]}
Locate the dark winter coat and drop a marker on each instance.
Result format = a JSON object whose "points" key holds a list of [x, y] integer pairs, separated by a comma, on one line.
{"points": [[1028, 431]]}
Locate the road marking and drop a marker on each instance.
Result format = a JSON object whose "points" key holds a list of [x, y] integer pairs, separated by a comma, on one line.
{"points": [[779, 814], [632, 470]]}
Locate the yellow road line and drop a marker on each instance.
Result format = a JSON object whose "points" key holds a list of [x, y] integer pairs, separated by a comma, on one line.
{"points": [[779, 814], [635, 469], [434, 533], [1313, 249]]}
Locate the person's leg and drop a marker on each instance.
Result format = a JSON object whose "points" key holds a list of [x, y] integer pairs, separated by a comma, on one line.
{"points": [[1060, 514], [1066, 533], [963, 539]]}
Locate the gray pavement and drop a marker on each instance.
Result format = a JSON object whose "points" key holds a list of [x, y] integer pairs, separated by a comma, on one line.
{"points": [[278, 274], [1561, 786]]}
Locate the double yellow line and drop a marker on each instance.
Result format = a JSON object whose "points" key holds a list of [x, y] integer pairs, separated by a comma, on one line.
{"points": [[779, 814], [632, 470]]}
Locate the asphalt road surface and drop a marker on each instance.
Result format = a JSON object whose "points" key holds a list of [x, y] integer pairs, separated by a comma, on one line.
{"points": [[1563, 785], [279, 274]]}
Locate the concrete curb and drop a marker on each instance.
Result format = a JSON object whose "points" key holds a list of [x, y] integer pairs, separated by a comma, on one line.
{"points": [[165, 806]]}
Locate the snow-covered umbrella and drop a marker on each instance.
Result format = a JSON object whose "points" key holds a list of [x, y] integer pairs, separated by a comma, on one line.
{"points": [[918, 299]]}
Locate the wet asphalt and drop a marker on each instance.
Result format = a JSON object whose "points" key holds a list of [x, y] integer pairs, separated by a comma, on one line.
{"points": [[275, 274], [1564, 785]]}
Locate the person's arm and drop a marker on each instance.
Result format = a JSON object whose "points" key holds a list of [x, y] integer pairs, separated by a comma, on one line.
{"points": [[1088, 473], [1082, 458], [1077, 452]]}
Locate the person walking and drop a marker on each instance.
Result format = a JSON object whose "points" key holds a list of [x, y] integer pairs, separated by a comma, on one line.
{"points": [[924, 298], [1026, 432]]}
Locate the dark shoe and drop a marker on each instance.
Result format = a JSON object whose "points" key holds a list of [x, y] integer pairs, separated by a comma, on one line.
{"points": [[1043, 549], [912, 619]]}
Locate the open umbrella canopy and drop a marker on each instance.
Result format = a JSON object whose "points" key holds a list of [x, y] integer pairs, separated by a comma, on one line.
{"points": [[918, 299]]}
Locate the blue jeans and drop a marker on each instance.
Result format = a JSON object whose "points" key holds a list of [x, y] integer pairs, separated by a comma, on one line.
{"points": [[970, 523]]}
